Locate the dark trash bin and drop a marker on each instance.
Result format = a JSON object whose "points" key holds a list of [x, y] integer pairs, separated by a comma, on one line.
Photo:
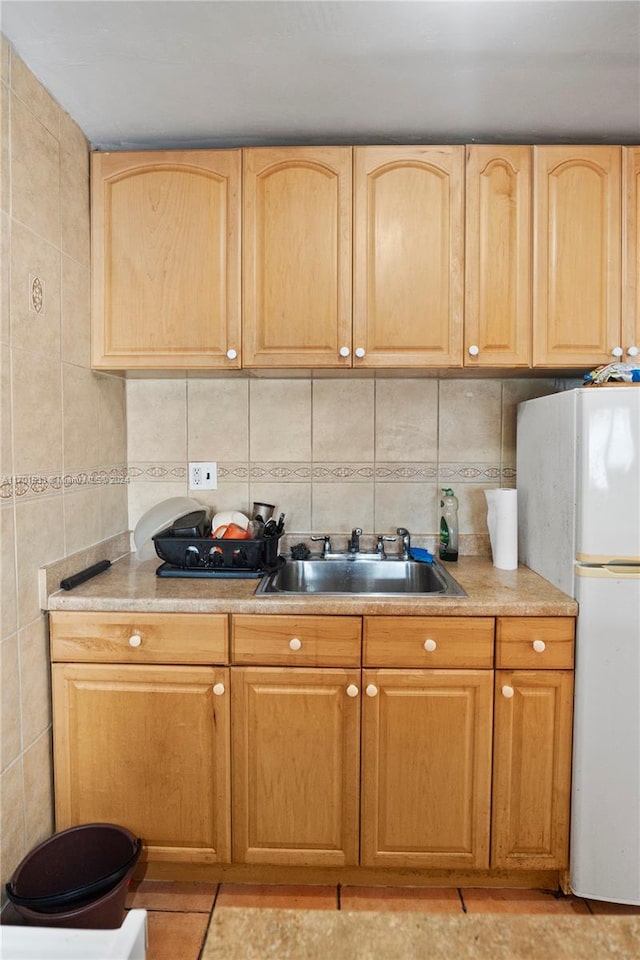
{"points": [[77, 878]]}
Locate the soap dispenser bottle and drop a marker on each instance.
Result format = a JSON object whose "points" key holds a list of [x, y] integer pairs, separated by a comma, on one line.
{"points": [[448, 525]]}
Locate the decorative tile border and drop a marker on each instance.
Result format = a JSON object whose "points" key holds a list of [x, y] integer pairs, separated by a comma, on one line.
{"points": [[406, 472], [163, 472], [30, 486], [331, 472], [470, 472]]}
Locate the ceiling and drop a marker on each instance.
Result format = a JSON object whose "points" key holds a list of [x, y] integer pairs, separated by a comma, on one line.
{"points": [[150, 73]]}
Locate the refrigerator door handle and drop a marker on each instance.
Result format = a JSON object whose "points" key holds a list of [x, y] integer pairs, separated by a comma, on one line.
{"points": [[619, 570]]}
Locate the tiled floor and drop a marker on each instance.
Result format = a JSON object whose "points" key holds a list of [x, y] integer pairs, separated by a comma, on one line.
{"points": [[179, 913]]}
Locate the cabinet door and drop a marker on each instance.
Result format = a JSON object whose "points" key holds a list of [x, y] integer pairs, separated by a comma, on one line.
{"points": [[297, 257], [146, 747], [408, 256], [532, 769], [577, 255], [426, 768], [630, 341], [497, 314], [166, 259], [296, 735]]}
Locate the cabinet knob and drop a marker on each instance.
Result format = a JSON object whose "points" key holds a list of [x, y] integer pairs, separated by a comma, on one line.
{"points": [[344, 351], [218, 689], [507, 691], [632, 351], [232, 354], [135, 640], [430, 645], [352, 690], [372, 690], [294, 643], [617, 352], [474, 350], [360, 352], [539, 646]]}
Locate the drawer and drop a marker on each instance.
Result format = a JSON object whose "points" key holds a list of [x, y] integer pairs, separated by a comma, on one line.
{"points": [[429, 642], [139, 638], [539, 643], [296, 641]]}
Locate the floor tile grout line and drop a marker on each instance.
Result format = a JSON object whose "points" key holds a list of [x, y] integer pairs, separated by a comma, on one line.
{"points": [[206, 933]]}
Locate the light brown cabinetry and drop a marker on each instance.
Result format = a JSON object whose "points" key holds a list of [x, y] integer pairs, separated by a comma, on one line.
{"points": [[577, 255], [532, 743], [497, 312], [630, 339], [297, 257], [426, 745], [166, 259], [296, 740], [386, 743], [143, 745], [408, 256], [426, 768]]}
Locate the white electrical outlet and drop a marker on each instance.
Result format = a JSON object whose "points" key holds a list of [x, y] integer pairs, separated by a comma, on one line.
{"points": [[203, 476]]}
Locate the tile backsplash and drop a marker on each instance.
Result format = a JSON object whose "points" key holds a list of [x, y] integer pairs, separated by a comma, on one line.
{"points": [[332, 453]]}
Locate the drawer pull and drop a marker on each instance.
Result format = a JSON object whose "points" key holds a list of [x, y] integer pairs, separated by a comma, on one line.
{"points": [[507, 691], [135, 640], [539, 646], [352, 690], [294, 643], [218, 689], [372, 690], [430, 645]]}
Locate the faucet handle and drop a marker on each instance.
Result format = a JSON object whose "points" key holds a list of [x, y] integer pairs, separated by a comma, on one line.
{"points": [[326, 546], [381, 542]]}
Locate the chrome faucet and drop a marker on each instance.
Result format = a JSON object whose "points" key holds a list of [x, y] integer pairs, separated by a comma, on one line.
{"points": [[354, 543], [406, 543], [380, 552], [326, 546]]}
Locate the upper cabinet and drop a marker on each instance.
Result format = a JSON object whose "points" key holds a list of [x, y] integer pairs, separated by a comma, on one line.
{"points": [[408, 256], [498, 257], [630, 340], [497, 314], [166, 259], [297, 257], [577, 255]]}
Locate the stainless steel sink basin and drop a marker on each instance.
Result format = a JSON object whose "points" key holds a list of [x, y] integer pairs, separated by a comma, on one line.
{"points": [[370, 577]]}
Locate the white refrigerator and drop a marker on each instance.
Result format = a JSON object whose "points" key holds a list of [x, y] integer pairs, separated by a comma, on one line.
{"points": [[578, 465]]}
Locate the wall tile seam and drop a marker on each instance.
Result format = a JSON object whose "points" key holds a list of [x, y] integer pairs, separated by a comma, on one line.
{"points": [[25, 103]]}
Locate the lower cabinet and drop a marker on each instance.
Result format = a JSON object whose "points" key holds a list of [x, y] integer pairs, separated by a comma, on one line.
{"points": [[426, 743], [532, 769], [296, 765], [146, 747], [426, 768]]}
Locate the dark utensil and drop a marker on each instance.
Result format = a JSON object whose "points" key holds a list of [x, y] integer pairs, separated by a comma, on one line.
{"points": [[281, 524], [270, 528]]}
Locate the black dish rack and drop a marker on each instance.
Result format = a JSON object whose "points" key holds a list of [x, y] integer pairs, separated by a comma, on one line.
{"points": [[207, 557]]}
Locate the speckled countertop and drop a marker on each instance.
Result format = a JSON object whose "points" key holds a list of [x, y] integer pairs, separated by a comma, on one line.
{"points": [[131, 585]]}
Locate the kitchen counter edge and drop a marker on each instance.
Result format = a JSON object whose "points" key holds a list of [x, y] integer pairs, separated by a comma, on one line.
{"points": [[131, 586]]}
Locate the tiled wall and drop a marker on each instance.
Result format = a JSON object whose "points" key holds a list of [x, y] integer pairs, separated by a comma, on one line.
{"points": [[332, 453], [63, 428]]}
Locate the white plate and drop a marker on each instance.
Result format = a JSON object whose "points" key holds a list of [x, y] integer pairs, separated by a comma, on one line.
{"points": [[225, 517]]}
